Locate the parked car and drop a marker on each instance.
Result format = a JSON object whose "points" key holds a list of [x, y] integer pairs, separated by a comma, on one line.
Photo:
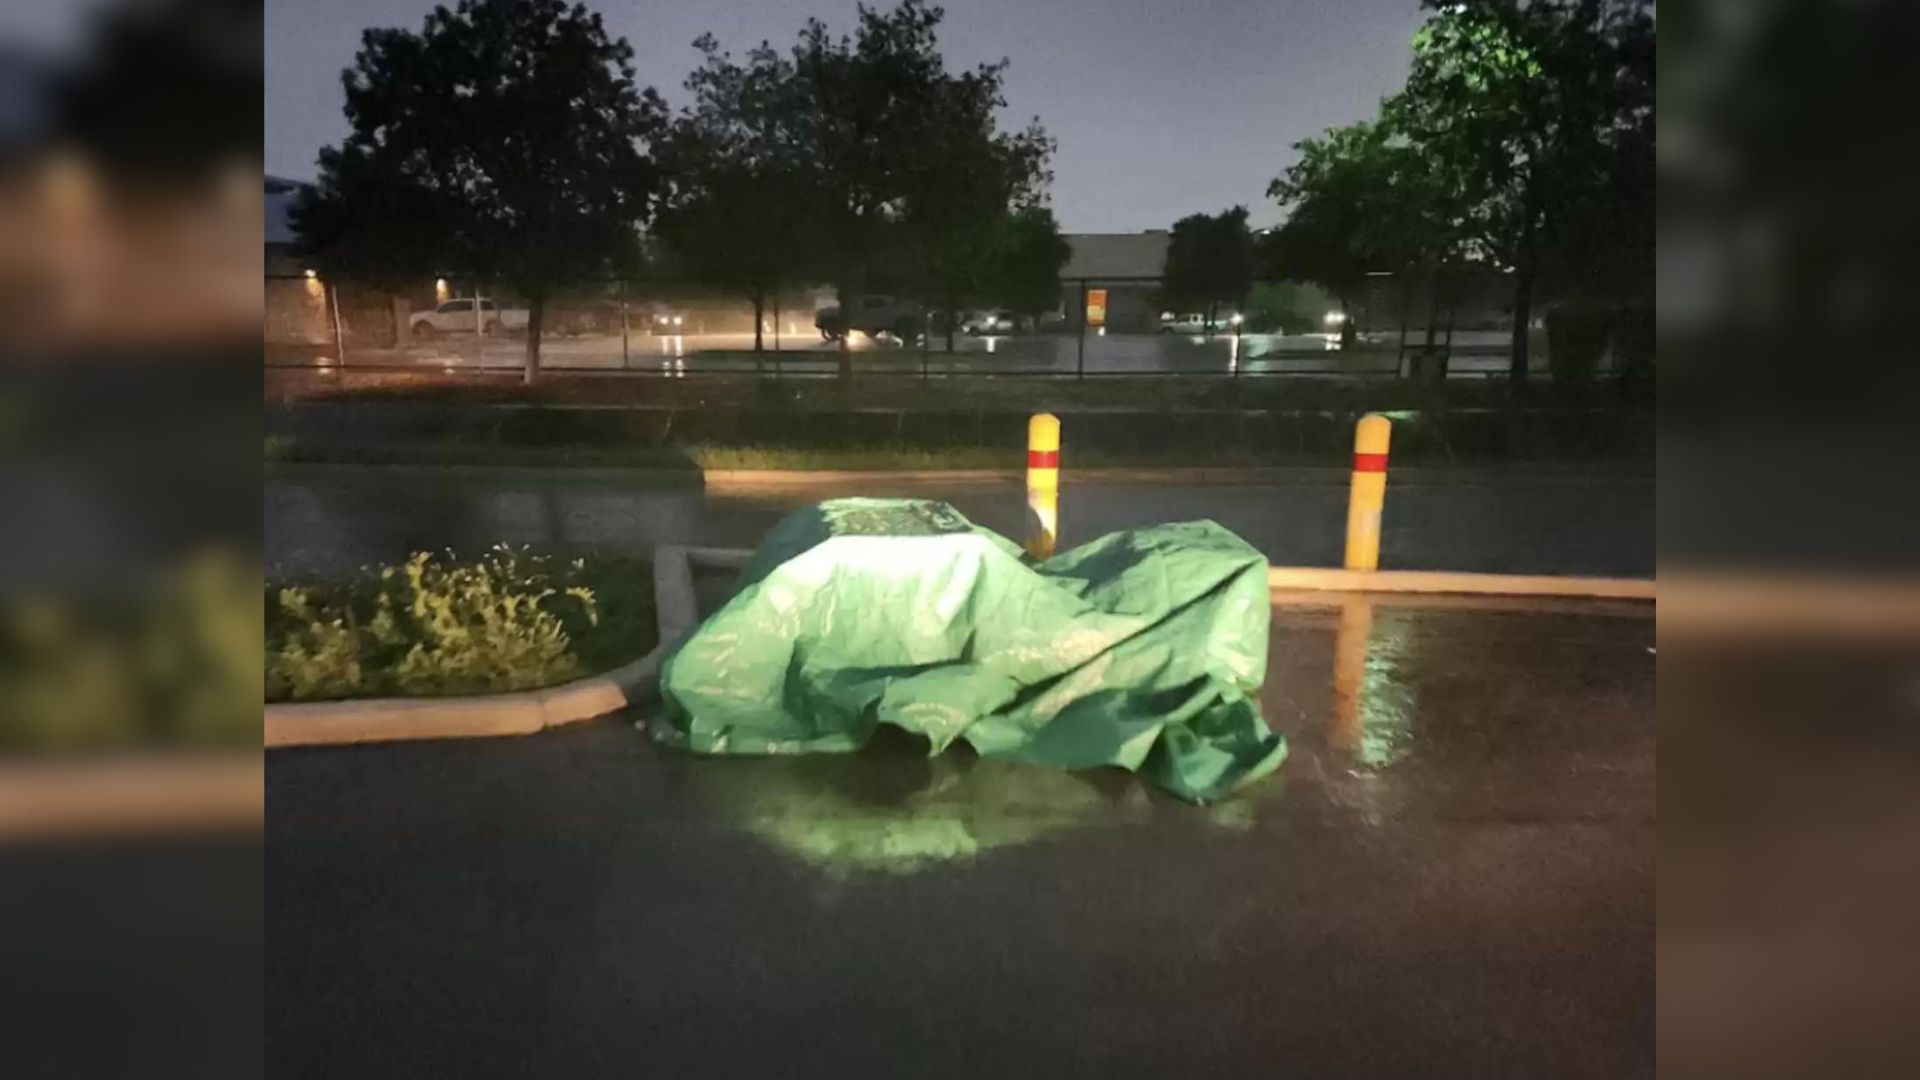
{"points": [[456, 317], [872, 316], [1195, 323], [997, 321]]}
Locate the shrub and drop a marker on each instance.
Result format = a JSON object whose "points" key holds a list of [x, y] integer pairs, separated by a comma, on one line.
{"points": [[1576, 339], [510, 620], [169, 657]]}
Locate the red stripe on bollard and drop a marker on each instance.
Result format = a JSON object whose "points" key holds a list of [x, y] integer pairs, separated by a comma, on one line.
{"points": [[1043, 459], [1369, 463]]}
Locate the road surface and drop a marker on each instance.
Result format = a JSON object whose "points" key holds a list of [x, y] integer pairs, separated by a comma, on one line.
{"points": [[326, 519], [1456, 882]]}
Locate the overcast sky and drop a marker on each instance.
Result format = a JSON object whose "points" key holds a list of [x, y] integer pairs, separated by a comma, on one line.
{"points": [[1161, 108]]}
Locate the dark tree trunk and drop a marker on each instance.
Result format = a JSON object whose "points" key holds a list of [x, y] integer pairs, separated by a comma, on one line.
{"points": [[1406, 316], [1522, 326], [1433, 308], [759, 318], [952, 321], [1347, 333], [536, 316], [846, 332]]}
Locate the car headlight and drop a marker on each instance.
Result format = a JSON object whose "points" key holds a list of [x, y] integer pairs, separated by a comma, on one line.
{"points": [[677, 320]]}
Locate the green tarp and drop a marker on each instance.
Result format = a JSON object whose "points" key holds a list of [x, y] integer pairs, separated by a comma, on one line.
{"points": [[1143, 649]]}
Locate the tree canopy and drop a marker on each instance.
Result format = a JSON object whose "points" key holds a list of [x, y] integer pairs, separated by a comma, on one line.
{"points": [[1345, 219], [1523, 139], [915, 180], [506, 138], [1542, 109], [741, 209], [1210, 261], [1027, 277]]}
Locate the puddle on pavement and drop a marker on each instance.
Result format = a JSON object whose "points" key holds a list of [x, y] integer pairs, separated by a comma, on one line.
{"points": [[1392, 713], [891, 809]]}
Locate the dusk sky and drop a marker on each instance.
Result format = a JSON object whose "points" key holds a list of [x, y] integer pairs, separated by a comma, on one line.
{"points": [[1160, 109]]}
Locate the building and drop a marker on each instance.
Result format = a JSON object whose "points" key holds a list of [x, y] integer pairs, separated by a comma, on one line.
{"points": [[278, 230], [1126, 267]]}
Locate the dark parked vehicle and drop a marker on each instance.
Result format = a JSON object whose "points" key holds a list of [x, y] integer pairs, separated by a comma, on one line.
{"points": [[873, 316]]}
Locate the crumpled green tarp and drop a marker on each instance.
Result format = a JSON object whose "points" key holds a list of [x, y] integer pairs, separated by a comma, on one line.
{"points": [[1143, 649]]}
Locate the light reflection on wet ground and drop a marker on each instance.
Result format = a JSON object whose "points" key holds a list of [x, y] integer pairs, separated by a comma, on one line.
{"points": [[1495, 710], [1460, 882]]}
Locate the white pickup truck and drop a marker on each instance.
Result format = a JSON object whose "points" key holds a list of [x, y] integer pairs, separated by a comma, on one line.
{"points": [[456, 317]]}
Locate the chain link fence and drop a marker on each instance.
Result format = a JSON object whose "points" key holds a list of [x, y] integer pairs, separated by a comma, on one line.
{"points": [[673, 329]]}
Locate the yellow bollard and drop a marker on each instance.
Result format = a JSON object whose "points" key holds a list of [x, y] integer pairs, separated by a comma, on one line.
{"points": [[1043, 484], [1369, 493]]}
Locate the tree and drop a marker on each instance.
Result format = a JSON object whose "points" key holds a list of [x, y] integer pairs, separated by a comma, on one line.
{"points": [[1343, 215], [881, 107], [962, 188], [507, 138], [1534, 104], [1027, 279], [957, 222], [866, 101], [1209, 262], [1361, 200], [739, 213]]}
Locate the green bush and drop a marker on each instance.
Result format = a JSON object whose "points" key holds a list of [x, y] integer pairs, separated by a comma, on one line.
{"points": [[1576, 339], [1285, 307], [166, 657], [510, 620]]}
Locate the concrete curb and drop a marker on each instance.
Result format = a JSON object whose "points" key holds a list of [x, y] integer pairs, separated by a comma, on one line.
{"points": [[153, 794], [328, 723], [1208, 474], [322, 723], [1444, 583]]}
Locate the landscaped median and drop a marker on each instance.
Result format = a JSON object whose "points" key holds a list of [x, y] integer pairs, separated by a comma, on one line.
{"points": [[645, 607], [507, 643]]}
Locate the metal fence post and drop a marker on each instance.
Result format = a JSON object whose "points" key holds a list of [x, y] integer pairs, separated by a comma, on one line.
{"points": [[626, 359], [1080, 366], [339, 332]]}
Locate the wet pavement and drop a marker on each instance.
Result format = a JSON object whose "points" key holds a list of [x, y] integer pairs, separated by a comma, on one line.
{"points": [[1452, 875], [1477, 354], [326, 519]]}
